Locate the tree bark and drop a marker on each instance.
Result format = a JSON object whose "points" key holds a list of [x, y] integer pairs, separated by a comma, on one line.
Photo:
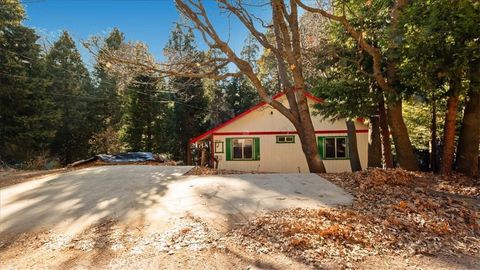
{"points": [[386, 145], [374, 143], [449, 128], [469, 141], [287, 50], [405, 156], [352, 146], [388, 84], [433, 137], [289, 44]]}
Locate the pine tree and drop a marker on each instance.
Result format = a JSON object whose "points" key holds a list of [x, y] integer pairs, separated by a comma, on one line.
{"points": [[240, 93], [26, 115], [190, 107], [145, 115], [109, 106], [72, 89]]}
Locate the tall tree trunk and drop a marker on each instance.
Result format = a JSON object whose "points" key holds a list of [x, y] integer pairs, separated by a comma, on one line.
{"points": [[388, 84], [374, 143], [308, 138], [386, 145], [352, 146], [295, 94], [433, 137], [405, 156], [469, 141], [449, 129]]}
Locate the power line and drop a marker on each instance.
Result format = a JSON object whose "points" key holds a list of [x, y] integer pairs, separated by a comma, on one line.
{"points": [[108, 83]]}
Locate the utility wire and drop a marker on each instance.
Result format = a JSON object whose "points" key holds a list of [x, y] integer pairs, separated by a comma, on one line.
{"points": [[108, 83]]}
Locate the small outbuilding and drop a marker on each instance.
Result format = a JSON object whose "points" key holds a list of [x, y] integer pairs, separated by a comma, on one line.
{"points": [[262, 139]]}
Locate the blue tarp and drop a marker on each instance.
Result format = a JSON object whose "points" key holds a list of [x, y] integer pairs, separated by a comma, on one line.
{"points": [[127, 157]]}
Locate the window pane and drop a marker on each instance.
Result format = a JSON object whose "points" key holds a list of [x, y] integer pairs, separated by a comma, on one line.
{"points": [[248, 149], [281, 139], [330, 147], [289, 139], [237, 149], [341, 148]]}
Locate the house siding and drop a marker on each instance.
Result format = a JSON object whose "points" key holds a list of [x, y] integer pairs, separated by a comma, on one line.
{"points": [[266, 123], [286, 157]]}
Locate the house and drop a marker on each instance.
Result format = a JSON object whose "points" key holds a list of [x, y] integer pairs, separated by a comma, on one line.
{"points": [[262, 139]]}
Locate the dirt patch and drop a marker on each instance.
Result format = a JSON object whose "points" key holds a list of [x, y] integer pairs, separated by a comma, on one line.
{"points": [[188, 243], [13, 177], [211, 171]]}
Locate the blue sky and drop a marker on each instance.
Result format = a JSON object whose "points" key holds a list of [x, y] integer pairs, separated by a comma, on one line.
{"points": [[149, 21]]}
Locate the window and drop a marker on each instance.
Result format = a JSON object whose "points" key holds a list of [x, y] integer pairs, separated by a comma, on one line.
{"points": [[242, 148], [333, 147], [286, 139]]}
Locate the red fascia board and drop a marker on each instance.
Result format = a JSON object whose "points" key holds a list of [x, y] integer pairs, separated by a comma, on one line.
{"points": [[287, 132], [317, 99], [211, 131]]}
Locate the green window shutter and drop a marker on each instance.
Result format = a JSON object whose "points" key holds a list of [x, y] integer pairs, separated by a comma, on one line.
{"points": [[256, 144], [321, 145], [228, 149]]}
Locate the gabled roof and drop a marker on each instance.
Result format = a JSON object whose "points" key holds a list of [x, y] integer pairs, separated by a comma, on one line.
{"points": [[263, 103]]}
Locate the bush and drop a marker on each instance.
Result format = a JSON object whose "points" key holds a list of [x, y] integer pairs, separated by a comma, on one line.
{"points": [[106, 142]]}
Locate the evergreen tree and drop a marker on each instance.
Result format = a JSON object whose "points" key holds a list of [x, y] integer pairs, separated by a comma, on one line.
{"points": [[218, 108], [26, 115], [109, 106], [190, 107], [72, 89], [145, 116], [240, 93]]}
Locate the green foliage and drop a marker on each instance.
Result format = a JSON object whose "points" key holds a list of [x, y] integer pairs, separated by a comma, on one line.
{"points": [[106, 141], [190, 103], [418, 117], [108, 107], [241, 95], [347, 93], [440, 40], [71, 86], [218, 109], [27, 117], [145, 113], [12, 13]]}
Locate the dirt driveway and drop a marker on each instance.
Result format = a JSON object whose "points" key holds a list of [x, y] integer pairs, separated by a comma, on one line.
{"points": [[95, 214]]}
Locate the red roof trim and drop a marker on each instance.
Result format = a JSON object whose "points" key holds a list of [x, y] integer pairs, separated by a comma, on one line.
{"points": [[287, 132], [212, 131]]}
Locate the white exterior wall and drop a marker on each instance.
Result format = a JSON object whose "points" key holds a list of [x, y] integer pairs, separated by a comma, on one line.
{"points": [[266, 118], [284, 157]]}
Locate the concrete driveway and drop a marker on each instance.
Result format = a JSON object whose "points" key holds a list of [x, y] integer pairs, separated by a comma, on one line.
{"points": [[151, 195]]}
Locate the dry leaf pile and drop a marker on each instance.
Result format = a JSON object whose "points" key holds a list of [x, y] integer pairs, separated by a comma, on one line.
{"points": [[394, 212], [211, 171]]}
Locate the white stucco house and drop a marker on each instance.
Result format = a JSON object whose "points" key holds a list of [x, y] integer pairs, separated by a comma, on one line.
{"points": [[262, 139]]}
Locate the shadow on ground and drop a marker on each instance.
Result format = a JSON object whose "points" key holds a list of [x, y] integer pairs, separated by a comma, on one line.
{"points": [[146, 197]]}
